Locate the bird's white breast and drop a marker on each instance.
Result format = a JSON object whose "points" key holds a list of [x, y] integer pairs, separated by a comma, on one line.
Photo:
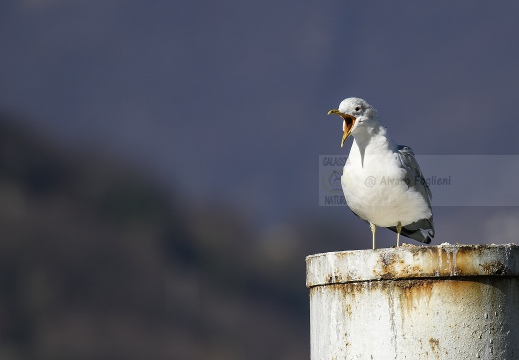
{"points": [[375, 187]]}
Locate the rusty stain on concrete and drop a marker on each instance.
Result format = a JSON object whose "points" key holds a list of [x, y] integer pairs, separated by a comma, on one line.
{"points": [[435, 345], [494, 268]]}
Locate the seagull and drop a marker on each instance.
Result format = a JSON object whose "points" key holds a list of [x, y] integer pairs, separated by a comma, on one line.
{"points": [[382, 181]]}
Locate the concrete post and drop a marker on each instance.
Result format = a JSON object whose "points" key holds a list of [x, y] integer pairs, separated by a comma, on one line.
{"points": [[427, 302]]}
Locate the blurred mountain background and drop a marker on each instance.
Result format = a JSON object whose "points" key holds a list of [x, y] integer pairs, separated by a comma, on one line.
{"points": [[159, 160], [99, 261]]}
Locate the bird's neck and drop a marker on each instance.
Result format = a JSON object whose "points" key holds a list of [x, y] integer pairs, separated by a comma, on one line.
{"points": [[375, 135], [373, 141]]}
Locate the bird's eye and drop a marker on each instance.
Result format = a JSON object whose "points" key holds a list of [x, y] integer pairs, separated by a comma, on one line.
{"points": [[357, 108]]}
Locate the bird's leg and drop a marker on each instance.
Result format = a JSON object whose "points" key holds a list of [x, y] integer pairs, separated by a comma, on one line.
{"points": [[373, 231], [398, 229]]}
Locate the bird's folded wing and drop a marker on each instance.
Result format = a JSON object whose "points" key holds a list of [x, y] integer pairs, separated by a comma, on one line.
{"points": [[414, 174]]}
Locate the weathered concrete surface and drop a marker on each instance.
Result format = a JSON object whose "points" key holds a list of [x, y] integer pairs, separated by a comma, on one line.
{"points": [[438, 302]]}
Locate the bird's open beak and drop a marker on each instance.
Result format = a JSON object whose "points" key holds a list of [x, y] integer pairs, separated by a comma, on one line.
{"points": [[349, 121]]}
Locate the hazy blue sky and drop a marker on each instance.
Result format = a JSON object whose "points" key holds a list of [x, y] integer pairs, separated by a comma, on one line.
{"points": [[227, 100]]}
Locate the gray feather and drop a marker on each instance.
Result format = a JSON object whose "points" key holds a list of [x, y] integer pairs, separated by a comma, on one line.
{"points": [[421, 230]]}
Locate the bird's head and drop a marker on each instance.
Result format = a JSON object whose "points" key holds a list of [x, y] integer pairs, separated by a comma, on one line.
{"points": [[354, 111]]}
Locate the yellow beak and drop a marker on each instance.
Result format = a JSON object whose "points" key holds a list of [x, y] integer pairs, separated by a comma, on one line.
{"points": [[349, 121]]}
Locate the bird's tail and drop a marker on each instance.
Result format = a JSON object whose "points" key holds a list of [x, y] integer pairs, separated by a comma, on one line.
{"points": [[421, 230]]}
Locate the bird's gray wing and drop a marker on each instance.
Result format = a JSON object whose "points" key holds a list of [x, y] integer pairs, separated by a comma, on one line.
{"points": [[414, 174], [421, 230]]}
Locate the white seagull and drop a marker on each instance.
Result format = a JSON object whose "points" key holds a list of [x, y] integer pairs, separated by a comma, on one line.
{"points": [[382, 181]]}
